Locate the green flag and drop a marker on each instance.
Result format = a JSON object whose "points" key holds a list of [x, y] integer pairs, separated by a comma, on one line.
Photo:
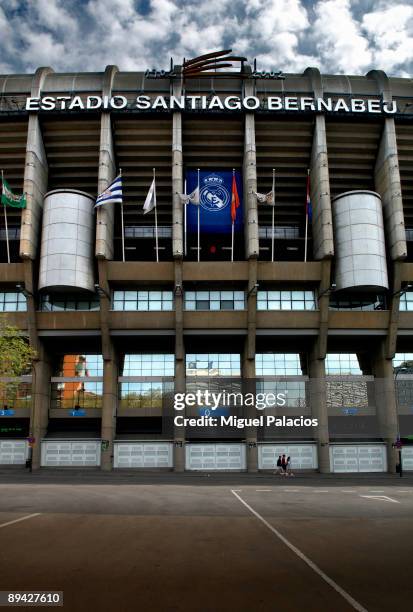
{"points": [[8, 198]]}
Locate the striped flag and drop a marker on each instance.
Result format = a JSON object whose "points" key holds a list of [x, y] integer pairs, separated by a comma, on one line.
{"points": [[308, 206], [112, 193], [235, 203]]}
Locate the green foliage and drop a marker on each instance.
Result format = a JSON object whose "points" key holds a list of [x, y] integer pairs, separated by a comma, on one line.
{"points": [[16, 355]]}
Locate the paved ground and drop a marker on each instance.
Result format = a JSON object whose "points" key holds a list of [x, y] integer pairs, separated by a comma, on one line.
{"points": [[192, 543]]}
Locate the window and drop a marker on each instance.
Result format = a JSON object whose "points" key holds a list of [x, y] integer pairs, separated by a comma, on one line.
{"points": [[401, 358], [357, 302], [149, 364], [82, 366], [143, 300], [287, 232], [286, 299], [278, 364], [143, 394], [342, 363], [57, 303], [11, 301], [16, 393], [74, 395], [213, 364], [214, 300], [406, 301]]}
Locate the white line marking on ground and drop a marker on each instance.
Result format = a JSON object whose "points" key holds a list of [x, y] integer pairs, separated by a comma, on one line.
{"points": [[381, 498], [349, 491], [262, 490], [355, 604], [291, 490], [23, 518], [239, 490], [381, 491], [320, 491]]}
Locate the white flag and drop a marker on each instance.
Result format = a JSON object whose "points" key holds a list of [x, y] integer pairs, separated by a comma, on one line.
{"points": [[190, 198], [150, 201], [265, 198]]}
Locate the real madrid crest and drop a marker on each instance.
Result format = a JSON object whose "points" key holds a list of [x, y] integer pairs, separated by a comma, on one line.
{"points": [[214, 196]]}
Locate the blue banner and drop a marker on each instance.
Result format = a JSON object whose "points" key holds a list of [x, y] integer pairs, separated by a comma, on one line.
{"points": [[215, 191]]}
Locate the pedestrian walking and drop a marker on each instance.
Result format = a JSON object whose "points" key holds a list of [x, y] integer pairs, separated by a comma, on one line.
{"points": [[288, 469], [279, 466], [283, 465]]}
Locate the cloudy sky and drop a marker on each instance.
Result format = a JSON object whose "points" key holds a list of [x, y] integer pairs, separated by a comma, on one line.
{"points": [[338, 36]]}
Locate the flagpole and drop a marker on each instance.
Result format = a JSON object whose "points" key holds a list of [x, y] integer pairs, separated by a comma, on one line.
{"points": [[185, 230], [306, 218], [273, 214], [232, 229], [123, 224], [199, 224], [156, 219], [5, 221]]}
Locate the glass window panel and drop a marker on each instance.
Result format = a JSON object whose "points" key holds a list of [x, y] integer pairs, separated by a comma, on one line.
{"points": [[227, 305], [190, 305], [214, 305], [214, 295], [202, 295], [130, 295], [202, 305], [155, 305], [261, 305], [298, 305], [285, 305], [239, 304], [167, 305]]}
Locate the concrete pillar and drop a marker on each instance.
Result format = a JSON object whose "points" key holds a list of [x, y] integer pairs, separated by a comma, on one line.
{"points": [[177, 177], [386, 403], [35, 177], [105, 217], [180, 367], [322, 224], [388, 185], [250, 181], [110, 371], [387, 176], [109, 404], [318, 403], [248, 365], [41, 373]]}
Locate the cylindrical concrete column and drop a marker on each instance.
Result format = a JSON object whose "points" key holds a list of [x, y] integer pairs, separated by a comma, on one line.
{"points": [[66, 257], [386, 405], [109, 404], [318, 403], [41, 373]]}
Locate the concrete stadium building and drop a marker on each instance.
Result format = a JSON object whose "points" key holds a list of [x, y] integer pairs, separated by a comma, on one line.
{"points": [[117, 332]]}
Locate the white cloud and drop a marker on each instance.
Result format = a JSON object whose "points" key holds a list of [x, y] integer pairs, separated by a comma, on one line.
{"points": [[335, 35], [338, 38]]}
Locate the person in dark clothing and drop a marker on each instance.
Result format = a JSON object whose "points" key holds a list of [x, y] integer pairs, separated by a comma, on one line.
{"points": [[284, 465], [279, 466]]}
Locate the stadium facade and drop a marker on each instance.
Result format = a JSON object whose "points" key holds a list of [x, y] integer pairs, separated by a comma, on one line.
{"points": [[330, 320]]}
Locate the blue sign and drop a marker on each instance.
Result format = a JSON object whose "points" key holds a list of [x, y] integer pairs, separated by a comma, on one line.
{"points": [[6, 412], [78, 413], [350, 411], [215, 194]]}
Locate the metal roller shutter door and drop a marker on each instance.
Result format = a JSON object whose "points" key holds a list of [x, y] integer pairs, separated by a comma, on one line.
{"points": [[143, 455], [215, 457], [354, 458], [407, 458], [70, 453], [13, 452], [303, 456]]}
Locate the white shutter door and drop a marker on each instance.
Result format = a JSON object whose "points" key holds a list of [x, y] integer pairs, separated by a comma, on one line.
{"points": [[344, 459], [143, 455], [215, 457], [358, 458], [372, 458], [13, 452], [70, 453], [407, 458], [303, 456]]}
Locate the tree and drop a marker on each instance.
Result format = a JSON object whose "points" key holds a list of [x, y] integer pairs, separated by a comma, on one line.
{"points": [[16, 357]]}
